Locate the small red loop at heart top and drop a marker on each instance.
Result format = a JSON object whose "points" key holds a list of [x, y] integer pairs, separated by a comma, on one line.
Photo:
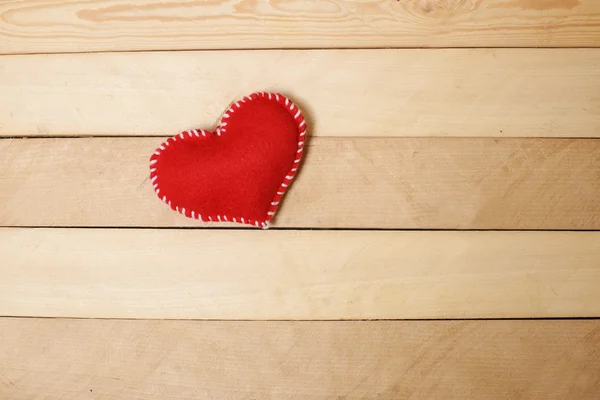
{"points": [[239, 172]]}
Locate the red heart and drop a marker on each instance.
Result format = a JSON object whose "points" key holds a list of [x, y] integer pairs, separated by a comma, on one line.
{"points": [[238, 173]]}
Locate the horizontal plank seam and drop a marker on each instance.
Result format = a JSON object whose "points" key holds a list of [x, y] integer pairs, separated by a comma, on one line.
{"points": [[249, 229], [358, 320], [166, 135], [250, 49]]}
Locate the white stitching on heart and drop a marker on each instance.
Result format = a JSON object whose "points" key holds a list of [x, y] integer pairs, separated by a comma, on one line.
{"points": [[221, 129]]}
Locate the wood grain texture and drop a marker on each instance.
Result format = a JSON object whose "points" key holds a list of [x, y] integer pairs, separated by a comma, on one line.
{"points": [[308, 275], [181, 360], [483, 92], [396, 183], [45, 26]]}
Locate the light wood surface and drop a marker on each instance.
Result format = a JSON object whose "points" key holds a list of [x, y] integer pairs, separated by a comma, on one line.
{"points": [[236, 274], [421, 183], [452, 173], [158, 360], [76, 26], [482, 92]]}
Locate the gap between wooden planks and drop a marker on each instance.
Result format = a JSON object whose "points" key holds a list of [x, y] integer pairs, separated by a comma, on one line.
{"points": [[189, 360], [482, 92], [393, 183], [308, 275], [80, 26]]}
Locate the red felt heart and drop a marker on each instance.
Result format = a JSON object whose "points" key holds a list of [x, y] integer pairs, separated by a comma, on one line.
{"points": [[238, 173]]}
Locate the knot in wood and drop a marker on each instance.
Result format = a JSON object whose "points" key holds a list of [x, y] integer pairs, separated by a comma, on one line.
{"points": [[436, 8]]}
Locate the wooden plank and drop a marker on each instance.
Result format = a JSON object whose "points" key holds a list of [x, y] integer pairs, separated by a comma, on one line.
{"points": [[180, 360], [483, 92], [78, 26], [396, 183], [308, 275]]}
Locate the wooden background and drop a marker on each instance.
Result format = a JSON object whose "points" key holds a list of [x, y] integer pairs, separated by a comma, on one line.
{"points": [[442, 240]]}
